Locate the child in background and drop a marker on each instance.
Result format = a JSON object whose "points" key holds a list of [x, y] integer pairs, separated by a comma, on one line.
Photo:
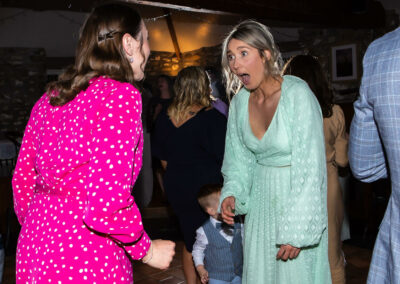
{"points": [[217, 252]]}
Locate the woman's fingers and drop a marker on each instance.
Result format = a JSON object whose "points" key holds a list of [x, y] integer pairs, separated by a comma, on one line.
{"points": [[227, 217], [297, 252], [287, 252], [228, 209], [293, 253], [280, 252]]}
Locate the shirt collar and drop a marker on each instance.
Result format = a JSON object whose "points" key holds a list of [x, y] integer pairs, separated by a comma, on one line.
{"points": [[214, 221]]}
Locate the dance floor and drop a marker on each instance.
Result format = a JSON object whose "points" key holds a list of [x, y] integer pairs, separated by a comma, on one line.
{"points": [[356, 269], [159, 222]]}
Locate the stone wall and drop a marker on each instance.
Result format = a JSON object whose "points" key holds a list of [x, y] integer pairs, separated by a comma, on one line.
{"points": [[22, 82], [319, 43]]}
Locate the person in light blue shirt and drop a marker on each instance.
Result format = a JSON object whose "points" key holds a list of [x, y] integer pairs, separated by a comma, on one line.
{"points": [[374, 146], [217, 252]]}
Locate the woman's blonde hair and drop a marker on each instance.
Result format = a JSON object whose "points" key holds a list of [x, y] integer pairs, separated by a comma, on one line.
{"points": [[258, 36], [192, 87]]}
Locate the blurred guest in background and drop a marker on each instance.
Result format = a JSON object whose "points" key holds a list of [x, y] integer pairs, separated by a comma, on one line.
{"points": [[189, 139], [219, 99], [161, 100], [218, 90], [163, 96], [143, 188]]}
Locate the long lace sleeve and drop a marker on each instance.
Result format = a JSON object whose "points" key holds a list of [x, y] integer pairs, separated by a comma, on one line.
{"points": [[114, 166], [304, 217], [238, 164]]}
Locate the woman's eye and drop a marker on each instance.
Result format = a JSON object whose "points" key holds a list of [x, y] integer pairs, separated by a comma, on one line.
{"points": [[244, 53], [230, 57]]}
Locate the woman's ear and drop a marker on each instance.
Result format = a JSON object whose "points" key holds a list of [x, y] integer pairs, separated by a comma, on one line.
{"points": [[267, 54], [129, 44]]}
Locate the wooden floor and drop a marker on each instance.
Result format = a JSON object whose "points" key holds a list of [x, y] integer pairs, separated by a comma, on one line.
{"points": [[356, 269]]}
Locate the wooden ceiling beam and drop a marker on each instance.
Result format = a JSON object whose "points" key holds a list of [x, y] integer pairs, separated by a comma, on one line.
{"points": [[171, 29]]}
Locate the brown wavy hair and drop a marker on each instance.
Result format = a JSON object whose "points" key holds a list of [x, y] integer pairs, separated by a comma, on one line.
{"points": [[192, 87], [99, 52], [309, 69]]}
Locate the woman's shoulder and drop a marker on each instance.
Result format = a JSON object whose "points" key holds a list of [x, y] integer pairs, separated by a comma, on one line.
{"points": [[240, 97], [337, 109], [296, 90], [105, 86], [41, 106], [213, 114], [293, 84], [210, 119], [238, 102], [337, 112]]}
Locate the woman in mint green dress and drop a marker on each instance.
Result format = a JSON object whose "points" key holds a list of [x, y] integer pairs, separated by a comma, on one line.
{"points": [[274, 165]]}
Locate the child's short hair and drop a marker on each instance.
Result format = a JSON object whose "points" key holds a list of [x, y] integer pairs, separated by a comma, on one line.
{"points": [[205, 192]]}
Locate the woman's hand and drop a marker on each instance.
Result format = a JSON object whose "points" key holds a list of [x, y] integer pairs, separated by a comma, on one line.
{"points": [[160, 254], [287, 252], [228, 210]]}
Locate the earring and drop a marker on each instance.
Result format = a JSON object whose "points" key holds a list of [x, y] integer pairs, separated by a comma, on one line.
{"points": [[130, 59]]}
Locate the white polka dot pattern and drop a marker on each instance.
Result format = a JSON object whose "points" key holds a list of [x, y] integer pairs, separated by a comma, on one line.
{"points": [[72, 188]]}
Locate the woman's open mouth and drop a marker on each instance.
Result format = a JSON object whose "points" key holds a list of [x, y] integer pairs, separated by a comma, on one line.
{"points": [[245, 78]]}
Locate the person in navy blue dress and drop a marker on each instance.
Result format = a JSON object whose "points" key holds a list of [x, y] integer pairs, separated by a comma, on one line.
{"points": [[189, 139]]}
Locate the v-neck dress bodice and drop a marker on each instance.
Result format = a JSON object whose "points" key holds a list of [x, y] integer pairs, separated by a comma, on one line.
{"points": [[273, 149], [279, 182]]}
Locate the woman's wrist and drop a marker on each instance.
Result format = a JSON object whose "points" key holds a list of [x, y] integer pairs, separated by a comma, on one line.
{"points": [[149, 254]]}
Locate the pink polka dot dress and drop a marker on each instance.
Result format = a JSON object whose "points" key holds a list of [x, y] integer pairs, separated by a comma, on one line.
{"points": [[72, 188]]}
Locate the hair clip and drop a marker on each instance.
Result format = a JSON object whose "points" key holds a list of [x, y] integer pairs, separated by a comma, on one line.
{"points": [[106, 36]]}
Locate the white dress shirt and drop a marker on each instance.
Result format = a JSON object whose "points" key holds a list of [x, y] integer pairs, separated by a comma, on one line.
{"points": [[202, 241]]}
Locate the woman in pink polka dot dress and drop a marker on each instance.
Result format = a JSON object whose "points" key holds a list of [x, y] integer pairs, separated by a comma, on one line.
{"points": [[81, 154]]}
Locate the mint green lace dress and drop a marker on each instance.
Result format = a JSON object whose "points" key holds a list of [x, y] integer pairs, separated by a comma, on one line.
{"points": [[279, 183]]}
